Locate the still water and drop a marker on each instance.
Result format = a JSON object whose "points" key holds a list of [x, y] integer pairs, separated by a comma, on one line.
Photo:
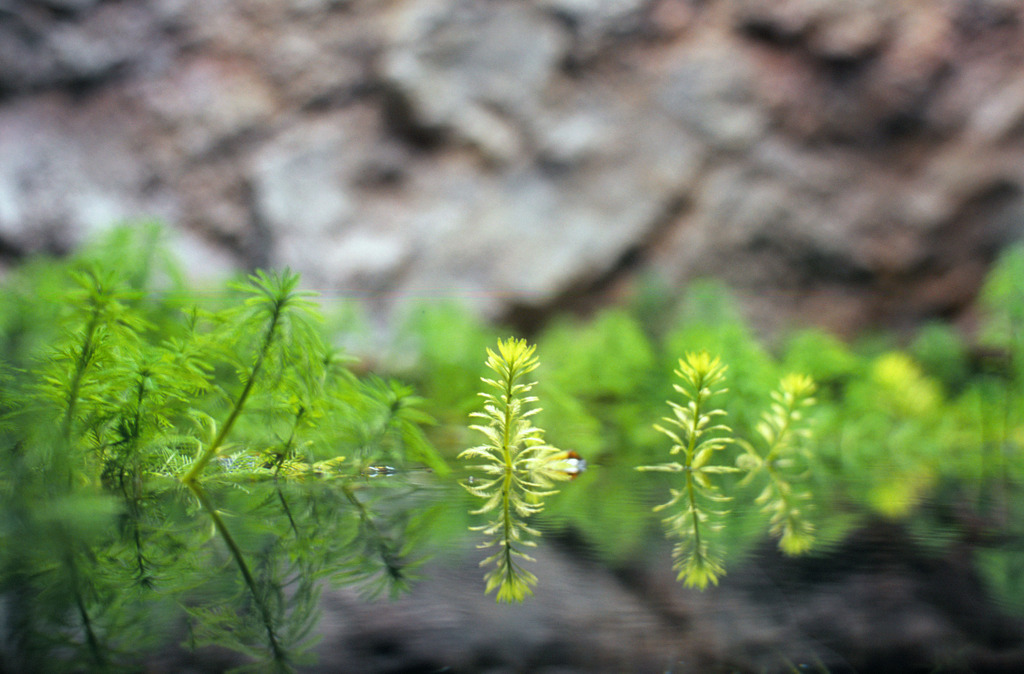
{"points": [[382, 573]]}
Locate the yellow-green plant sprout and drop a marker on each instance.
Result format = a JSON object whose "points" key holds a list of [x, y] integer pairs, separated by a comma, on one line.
{"points": [[519, 469], [781, 428], [696, 437]]}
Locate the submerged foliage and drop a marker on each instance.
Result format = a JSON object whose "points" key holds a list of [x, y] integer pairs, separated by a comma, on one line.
{"points": [[519, 469]]}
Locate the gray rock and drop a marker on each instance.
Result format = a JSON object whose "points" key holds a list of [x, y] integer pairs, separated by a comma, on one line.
{"points": [[710, 91], [205, 103], [474, 70], [66, 174], [308, 188], [37, 50], [519, 154], [70, 5], [302, 179], [1000, 118], [595, 24]]}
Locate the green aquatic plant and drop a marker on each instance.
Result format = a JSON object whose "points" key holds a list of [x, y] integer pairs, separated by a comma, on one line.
{"points": [[601, 378], [697, 437], [213, 463], [785, 462], [287, 351], [147, 447], [519, 469], [389, 423], [708, 315]]}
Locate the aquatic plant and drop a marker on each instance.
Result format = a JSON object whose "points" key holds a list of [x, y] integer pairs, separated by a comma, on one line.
{"points": [[785, 462], [216, 460], [274, 325], [137, 408], [519, 469], [697, 437]]}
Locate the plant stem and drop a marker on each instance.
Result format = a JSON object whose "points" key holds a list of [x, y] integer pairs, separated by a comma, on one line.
{"points": [[197, 467], [81, 364], [506, 503], [506, 486], [691, 490], [506, 448], [287, 511], [243, 567], [392, 562], [90, 635]]}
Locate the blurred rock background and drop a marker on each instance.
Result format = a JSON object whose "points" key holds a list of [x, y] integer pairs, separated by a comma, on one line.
{"points": [[845, 162]]}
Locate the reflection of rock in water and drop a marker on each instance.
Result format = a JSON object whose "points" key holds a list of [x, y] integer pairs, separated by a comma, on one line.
{"points": [[876, 604]]}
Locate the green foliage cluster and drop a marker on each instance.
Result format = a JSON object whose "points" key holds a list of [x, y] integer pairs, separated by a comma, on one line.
{"points": [[929, 432], [698, 436], [202, 468], [123, 407], [520, 468]]}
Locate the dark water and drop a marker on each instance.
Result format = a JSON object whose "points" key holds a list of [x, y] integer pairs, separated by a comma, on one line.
{"points": [[382, 574]]}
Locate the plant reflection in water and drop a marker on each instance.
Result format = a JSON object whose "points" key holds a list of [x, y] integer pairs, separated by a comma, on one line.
{"points": [[170, 472], [246, 562], [519, 469]]}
